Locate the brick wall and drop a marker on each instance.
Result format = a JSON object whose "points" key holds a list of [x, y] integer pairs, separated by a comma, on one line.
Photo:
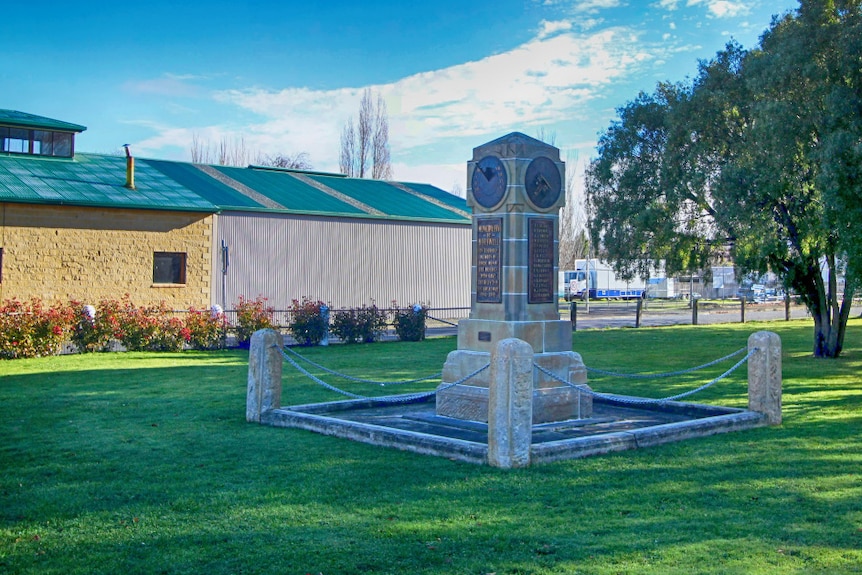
{"points": [[61, 253]]}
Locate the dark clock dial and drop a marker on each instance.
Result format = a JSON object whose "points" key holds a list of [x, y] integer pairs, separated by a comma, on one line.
{"points": [[543, 182], [489, 181]]}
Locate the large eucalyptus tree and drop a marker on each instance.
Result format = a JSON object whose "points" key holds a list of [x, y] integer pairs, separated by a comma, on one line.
{"points": [[761, 155]]}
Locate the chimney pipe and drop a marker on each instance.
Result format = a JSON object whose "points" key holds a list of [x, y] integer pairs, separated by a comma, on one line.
{"points": [[130, 168]]}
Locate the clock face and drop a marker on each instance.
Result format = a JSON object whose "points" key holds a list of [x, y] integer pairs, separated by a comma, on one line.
{"points": [[543, 182], [489, 181]]}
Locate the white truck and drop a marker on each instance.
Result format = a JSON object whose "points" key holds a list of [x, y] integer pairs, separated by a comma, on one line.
{"points": [[595, 279]]}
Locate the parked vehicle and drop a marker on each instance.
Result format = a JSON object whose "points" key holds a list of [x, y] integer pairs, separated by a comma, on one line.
{"points": [[595, 279]]}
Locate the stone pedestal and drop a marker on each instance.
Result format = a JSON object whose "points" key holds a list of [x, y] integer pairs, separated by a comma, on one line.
{"points": [[264, 373], [515, 189], [764, 375], [552, 400], [510, 421]]}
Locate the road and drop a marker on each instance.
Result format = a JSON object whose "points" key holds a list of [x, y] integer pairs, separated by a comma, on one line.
{"points": [[601, 317]]}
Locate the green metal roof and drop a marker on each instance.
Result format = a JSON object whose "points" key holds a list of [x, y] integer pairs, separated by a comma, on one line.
{"points": [[25, 120], [290, 192], [99, 181], [93, 180], [387, 198], [441, 196], [202, 184]]}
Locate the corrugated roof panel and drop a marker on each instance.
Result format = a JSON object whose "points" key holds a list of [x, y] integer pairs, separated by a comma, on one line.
{"points": [[439, 195], [211, 189], [387, 198], [93, 180], [289, 191]]}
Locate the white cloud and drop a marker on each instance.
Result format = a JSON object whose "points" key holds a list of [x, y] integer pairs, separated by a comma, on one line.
{"points": [[716, 8], [592, 6], [727, 9], [547, 28], [171, 85], [555, 76], [540, 82]]}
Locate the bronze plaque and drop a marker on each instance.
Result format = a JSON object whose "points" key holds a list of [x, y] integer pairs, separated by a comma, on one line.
{"points": [[489, 260], [484, 336], [540, 245]]}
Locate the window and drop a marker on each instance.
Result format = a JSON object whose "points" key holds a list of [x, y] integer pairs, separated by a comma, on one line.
{"points": [[169, 268], [15, 140], [37, 142], [1, 265]]}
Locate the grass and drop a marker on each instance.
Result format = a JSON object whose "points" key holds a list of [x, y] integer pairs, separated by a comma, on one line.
{"points": [[143, 463]]}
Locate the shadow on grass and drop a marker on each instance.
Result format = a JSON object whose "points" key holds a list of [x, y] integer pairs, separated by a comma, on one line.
{"points": [[153, 469]]}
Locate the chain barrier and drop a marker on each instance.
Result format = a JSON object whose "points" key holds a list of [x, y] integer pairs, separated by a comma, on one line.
{"points": [[359, 379], [405, 398], [667, 374], [641, 401]]}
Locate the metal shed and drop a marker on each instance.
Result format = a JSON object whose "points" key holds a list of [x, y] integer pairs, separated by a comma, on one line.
{"points": [[285, 234]]}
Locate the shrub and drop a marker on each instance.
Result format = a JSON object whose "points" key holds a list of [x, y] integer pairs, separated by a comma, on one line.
{"points": [[345, 326], [252, 315], [137, 328], [410, 322], [205, 328], [87, 333], [371, 322], [308, 324], [171, 334], [363, 324], [29, 329]]}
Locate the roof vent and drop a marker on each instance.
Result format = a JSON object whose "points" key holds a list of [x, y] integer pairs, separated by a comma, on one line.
{"points": [[130, 168]]}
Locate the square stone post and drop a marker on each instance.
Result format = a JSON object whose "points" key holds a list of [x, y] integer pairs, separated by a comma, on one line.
{"points": [[264, 373], [510, 404], [764, 375]]}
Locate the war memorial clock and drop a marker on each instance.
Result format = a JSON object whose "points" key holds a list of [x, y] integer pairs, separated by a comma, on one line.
{"points": [[515, 189]]}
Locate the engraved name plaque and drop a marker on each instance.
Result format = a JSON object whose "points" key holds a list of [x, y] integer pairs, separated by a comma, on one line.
{"points": [[489, 260], [540, 245]]}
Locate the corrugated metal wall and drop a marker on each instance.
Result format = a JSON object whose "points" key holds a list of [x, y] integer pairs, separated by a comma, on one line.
{"points": [[344, 262]]}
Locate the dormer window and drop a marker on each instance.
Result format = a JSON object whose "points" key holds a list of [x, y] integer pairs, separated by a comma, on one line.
{"points": [[36, 142], [22, 133]]}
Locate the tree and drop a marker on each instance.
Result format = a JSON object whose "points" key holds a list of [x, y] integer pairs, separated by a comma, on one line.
{"points": [[298, 161], [574, 242], [234, 152], [368, 141], [760, 154]]}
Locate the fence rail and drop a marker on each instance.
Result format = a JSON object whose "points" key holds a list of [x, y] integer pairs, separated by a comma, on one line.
{"points": [[666, 312]]}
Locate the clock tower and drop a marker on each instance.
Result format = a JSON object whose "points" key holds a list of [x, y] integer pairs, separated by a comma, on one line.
{"points": [[515, 189]]}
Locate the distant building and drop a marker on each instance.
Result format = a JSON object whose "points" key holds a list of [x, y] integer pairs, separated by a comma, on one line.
{"points": [[88, 227]]}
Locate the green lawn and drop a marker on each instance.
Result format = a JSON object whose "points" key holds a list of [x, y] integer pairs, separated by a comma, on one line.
{"points": [[143, 463]]}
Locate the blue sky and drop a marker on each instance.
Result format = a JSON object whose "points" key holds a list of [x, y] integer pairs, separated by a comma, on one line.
{"points": [[286, 76]]}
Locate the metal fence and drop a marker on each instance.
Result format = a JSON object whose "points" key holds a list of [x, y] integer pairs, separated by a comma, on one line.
{"points": [[656, 312]]}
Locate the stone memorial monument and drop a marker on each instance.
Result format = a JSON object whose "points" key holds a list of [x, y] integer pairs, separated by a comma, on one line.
{"points": [[515, 189]]}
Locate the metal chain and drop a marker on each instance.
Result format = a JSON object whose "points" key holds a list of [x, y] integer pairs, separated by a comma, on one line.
{"points": [[359, 379], [405, 398], [633, 401], [316, 379], [667, 374]]}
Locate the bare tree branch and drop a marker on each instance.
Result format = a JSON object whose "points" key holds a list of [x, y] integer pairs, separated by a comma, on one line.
{"points": [[381, 168], [367, 142]]}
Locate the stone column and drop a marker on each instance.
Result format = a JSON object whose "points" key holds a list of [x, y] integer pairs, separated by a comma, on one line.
{"points": [[510, 404], [264, 373], [764, 375]]}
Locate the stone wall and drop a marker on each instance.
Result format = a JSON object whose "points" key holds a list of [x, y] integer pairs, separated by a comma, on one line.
{"points": [[62, 253]]}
